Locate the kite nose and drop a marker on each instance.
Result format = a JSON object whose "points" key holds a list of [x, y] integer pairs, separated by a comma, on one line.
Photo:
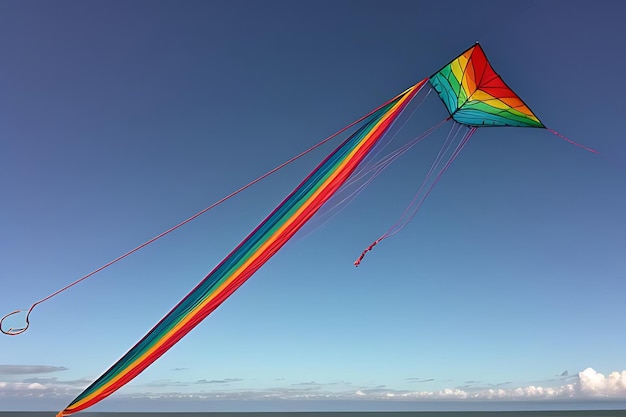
{"points": [[13, 331]]}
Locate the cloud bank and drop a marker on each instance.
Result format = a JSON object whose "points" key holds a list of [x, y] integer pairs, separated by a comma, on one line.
{"points": [[29, 369], [588, 384]]}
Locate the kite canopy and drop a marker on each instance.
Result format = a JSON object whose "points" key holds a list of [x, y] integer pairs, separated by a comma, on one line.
{"points": [[475, 95]]}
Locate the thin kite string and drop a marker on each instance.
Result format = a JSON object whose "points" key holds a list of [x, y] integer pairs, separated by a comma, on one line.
{"points": [[374, 171], [453, 157], [568, 140], [391, 232], [389, 137], [15, 332], [442, 151], [392, 156]]}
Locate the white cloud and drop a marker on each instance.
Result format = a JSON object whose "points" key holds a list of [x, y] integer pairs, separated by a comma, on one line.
{"points": [[29, 369], [218, 381], [593, 383], [589, 383], [20, 386], [41, 387]]}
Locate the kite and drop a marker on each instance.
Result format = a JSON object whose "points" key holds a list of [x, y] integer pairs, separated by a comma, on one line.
{"points": [[474, 95]]}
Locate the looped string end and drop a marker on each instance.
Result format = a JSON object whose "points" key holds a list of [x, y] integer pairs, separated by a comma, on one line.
{"points": [[12, 331]]}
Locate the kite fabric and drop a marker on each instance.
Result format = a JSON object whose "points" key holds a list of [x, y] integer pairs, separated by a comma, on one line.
{"points": [[250, 255], [475, 95]]}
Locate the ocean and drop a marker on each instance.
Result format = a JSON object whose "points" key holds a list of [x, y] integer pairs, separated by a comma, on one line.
{"points": [[549, 413]]}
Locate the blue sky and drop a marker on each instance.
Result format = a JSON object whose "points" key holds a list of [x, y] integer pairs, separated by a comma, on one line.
{"points": [[118, 120]]}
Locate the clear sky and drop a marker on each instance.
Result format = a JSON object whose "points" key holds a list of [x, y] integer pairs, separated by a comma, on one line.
{"points": [[119, 119]]}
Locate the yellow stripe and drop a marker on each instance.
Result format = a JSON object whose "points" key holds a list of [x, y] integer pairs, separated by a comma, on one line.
{"points": [[467, 84], [457, 70], [235, 274]]}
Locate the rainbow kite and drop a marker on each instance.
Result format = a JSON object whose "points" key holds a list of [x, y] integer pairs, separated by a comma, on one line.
{"points": [[474, 95]]}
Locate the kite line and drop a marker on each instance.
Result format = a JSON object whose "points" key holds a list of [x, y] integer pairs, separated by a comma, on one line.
{"points": [[16, 331]]}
